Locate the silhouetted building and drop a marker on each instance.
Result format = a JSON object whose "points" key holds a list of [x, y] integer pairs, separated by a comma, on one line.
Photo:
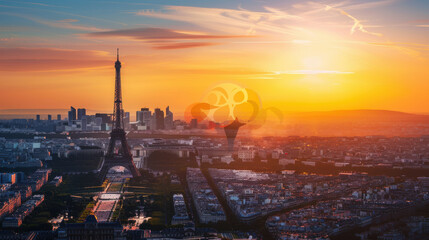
{"points": [[127, 117], [59, 117], [146, 117], [49, 117], [143, 117], [84, 123], [38, 117], [72, 114], [193, 123], [80, 113], [158, 119], [168, 121], [139, 116], [105, 118]]}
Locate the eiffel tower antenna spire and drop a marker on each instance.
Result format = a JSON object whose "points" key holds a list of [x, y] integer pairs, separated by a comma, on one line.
{"points": [[117, 54]]}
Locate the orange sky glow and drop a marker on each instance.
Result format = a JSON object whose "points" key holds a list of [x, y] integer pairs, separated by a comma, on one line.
{"points": [[298, 56]]}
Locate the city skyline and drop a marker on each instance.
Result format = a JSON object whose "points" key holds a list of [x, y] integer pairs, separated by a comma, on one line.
{"points": [[298, 56]]}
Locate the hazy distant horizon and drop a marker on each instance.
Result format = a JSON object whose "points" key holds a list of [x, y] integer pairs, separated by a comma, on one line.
{"points": [[8, 111], [28, 113]]}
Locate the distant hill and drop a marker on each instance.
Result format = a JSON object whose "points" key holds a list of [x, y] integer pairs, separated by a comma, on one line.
{"points": [[355, 123], [363, 115]]}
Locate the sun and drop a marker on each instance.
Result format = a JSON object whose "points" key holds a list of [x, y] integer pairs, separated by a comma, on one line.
{"points": [[312, 63]]}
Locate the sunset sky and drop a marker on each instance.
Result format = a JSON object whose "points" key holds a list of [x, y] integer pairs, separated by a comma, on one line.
{"points": [[297, 55]]}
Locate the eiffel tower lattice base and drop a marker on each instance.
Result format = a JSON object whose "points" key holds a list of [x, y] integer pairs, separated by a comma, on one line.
{"points": [[111, 160]]}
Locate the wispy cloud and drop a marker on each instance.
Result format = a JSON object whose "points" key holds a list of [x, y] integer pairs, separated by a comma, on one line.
{"points": [[68, 24], [161, 38], [33, 3], [311, 72], [413, 49], [159, 33], [182, 45], [357, 23], [68, 20], [6, 39], [239, 21], [296, 23], [420, 21], [50, 59], [366, 5]]}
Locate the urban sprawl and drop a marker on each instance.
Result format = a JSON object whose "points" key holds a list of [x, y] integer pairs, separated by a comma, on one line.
{"points": [[371, 187]]}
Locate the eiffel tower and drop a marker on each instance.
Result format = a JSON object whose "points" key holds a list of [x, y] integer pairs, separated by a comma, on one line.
{"points": [[123, 156]]}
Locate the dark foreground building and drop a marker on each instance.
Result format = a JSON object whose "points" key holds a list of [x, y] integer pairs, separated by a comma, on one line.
{"points": [[91, 229]]}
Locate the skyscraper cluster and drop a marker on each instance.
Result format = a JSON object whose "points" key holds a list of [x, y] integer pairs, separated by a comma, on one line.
{"points": [[78, 120], [158, 120], [76, 115]]}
